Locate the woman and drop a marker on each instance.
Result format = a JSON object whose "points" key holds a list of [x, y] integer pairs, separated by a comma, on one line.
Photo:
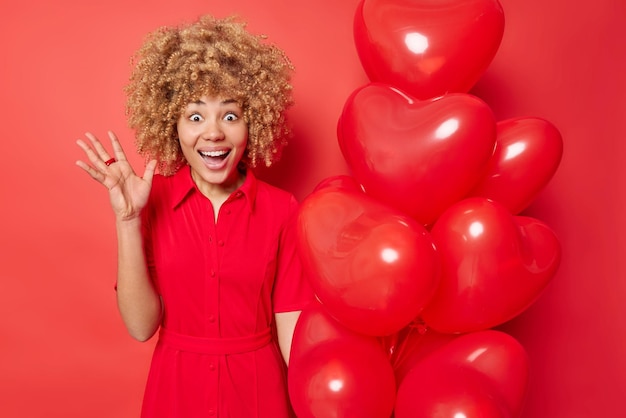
{"points": [[206, 252]]}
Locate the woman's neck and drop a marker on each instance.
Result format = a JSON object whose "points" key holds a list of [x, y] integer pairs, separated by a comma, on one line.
{"points": [[218, 193]]}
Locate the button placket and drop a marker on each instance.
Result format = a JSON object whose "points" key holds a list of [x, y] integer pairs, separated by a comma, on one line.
{"points": [[211, 310]]}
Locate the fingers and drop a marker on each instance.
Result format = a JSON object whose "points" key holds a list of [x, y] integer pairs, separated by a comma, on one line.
{"points": [[98, 155], [117, 147], [101, 159], [148, 174], [95, 174], [101, 153], [95, 160]]}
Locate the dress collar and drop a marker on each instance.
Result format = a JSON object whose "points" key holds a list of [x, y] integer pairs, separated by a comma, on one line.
{"points": [[183, 186]]}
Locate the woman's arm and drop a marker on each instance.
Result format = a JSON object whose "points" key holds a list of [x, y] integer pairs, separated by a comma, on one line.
{"points": [[285, 325], [137, 299]]}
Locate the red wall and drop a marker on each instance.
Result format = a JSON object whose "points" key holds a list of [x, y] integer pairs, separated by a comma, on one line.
{"points": [[63, 349]]}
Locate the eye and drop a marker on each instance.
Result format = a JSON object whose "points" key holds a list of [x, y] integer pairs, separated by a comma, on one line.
{"points": [[195, 117], [231, 117]]}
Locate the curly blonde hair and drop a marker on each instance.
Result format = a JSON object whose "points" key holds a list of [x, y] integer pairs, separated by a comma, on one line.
{"points": [[178, 65]]}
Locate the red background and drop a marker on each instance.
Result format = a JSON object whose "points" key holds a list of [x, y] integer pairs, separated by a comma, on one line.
{"points": [[64, 351]]}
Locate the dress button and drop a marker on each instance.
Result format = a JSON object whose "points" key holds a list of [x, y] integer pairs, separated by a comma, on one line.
{"points": [[227, 211], [211, 412], [220, 243], [211, 318], [211, 366], [212, 273]]}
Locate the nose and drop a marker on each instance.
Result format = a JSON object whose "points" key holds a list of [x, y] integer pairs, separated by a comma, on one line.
{"points": [[213, 131]]}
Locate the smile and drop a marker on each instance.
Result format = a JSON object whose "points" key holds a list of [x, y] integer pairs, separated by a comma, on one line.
{"points": [[214, 154]]}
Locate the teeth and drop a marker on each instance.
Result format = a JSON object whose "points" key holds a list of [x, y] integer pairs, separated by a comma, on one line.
{"points": [[213, 153]]}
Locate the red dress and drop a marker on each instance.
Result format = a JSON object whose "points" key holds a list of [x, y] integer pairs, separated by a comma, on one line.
{"points": [[221, 284]]}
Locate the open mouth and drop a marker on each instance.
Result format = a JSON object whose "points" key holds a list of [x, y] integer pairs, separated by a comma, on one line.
{"points": [[214, 156]]}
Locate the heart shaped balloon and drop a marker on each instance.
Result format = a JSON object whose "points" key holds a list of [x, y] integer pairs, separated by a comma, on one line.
{"points": [[427, 48], [341, 181], [527, 154], [490, 373], [496, 355], [416, 156], [342, 379], [411, 345], [494, 265], [315, 327], [373, 268], [448, 391]]}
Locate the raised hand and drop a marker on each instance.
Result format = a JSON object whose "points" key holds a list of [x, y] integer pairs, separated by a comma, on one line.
{"points": [[128, 192]]}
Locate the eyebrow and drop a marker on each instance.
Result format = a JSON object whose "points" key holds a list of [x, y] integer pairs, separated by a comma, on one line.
{"points": [[223, 102]]}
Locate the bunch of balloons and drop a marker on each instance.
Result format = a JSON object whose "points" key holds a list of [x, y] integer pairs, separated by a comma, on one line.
{"points": [[419, 253]]}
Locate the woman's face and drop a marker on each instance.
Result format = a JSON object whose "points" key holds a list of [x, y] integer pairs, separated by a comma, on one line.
{"points": [[213, 137]]}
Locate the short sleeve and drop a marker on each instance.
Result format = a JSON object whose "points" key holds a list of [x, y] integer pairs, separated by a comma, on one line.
{"points": [[292, 291]]}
